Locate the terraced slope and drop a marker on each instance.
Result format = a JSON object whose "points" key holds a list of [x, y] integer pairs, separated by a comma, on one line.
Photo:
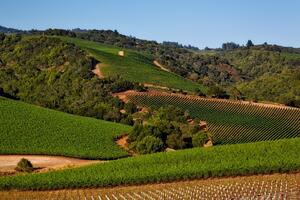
{"points": [[231, 122], [29, 129], [133, 66]]}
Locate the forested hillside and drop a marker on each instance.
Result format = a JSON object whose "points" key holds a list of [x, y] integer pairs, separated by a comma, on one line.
{"points": [[232, 69], [54, 74]]}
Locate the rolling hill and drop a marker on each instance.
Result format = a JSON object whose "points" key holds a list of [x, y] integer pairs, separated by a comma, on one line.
{"points": [[29, 129], [134, 66]]}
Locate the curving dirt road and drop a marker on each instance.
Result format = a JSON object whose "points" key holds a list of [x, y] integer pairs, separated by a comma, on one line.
{"points": [[41, 163]]}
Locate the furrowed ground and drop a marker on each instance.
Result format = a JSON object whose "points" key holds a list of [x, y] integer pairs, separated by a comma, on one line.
{"points": [[230, 121], [29, 129], [224, 160], [276, 186], [133, 66]]}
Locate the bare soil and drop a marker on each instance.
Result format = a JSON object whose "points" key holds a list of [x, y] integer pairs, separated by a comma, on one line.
{"points": [[156, 63], [98, 72], [41, 163], [123, 142]]}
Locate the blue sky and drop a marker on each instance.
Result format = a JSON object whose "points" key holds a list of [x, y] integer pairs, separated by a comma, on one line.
{"points": [[197, 22]]}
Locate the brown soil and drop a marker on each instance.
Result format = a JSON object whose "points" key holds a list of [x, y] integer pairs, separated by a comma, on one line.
{"points": [[97, 71], [123, 142], [156, 63], [41, 163], [253, 186]]}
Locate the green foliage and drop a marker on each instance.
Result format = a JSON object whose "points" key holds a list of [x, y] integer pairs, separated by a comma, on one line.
{"points": [[199, 139], [170, 124], [217, 161], [282, 87], [217, 92], [231, 121], [149, 144], [24, 165], [130, 108], [61, 72], [28, 129], [134, 66], [171, 113], [175, 141]]}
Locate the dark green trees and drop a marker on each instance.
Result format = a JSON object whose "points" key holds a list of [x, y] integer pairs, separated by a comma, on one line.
{"points": [[168, 127], [249, 44], [24, 165]]}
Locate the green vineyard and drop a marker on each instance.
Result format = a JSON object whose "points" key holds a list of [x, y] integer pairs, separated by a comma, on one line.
{"points": [[231, 122]]}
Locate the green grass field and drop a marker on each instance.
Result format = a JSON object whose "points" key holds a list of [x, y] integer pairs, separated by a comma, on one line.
{"points": [[134, 66], [217, 161], [29, 129], [231, 122]]}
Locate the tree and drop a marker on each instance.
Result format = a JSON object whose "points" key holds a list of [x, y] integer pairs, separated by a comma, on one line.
{"points": [[199, 139], [130, 108], [230, 46], [24, 165], [149, 144], [2, 36], [217, 92], [249, 44], [175, 141]]}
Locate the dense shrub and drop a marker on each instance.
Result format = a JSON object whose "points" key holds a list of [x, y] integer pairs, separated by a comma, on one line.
{"points": [[199, 139], [149, 144], [24, 165], [173, 126]]}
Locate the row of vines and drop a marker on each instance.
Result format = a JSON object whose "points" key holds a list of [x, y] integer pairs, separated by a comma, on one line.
{"points": [[231, 122]]}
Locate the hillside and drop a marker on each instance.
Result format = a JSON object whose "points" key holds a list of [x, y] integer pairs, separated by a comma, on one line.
{"points": [[54, 74], [134, 66], [231, 67], [229, 122], [29, 129], [225, 160]]}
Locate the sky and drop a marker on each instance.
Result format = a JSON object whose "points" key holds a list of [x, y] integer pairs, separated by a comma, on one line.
{"points": [[201, 23]]}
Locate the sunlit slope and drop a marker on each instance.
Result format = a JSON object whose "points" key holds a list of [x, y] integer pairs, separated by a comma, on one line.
{"points": [[134, 66], [29, 129]]}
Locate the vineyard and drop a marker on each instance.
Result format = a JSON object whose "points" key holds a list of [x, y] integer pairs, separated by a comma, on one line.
{"points": [[277, 186], [230, 121], [134, 66], [29, 129], [217, 161]]}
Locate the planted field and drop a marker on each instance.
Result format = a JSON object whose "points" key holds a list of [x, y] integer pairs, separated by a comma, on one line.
{"points": [[134, 66], [224, 160], [277, 186], [231, 121], [29, 129]]}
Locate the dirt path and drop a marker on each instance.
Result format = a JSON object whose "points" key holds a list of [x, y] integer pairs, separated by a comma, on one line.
{"points": [[156, 63], [98, 72], [41, 163], [156, 86]]}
